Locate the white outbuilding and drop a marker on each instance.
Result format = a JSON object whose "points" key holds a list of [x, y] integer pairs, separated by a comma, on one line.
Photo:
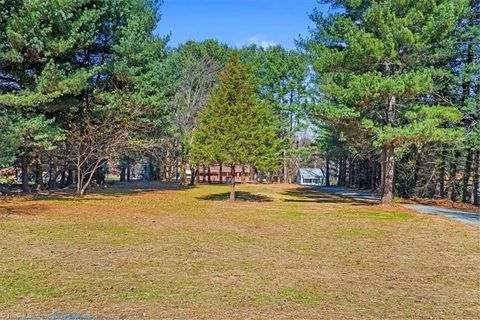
{"points": [[311, 176]]}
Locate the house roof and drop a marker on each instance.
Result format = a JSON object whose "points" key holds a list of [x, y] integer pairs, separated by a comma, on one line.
{"points": [[311, 173]]}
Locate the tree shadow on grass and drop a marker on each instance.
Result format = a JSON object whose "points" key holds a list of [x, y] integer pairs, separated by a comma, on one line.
{"points": [[239, 196], [313, 195], [115, 190], [6, 211]]}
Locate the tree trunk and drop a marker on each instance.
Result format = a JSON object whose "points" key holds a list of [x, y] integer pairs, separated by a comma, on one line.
{"points": [[88, 177], [466, 175], [129, 171], [388, 174], [194, 176], [327, 172], [382, 170], [373, 173], [453, 176], [387, 160], [25, 178], [220, 173], [38, 175], [177, 175], [285, 168], [413, 188], [52, 175], [209, 175], [442, 174], [350, 173], [232, 184], [341, 175], [183, 174], [150, 170], [357, 173], [69, 178], [476, 175], [123, 173], [79, 179]]}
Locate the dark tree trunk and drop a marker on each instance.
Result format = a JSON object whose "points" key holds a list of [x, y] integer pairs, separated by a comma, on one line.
{"points": [[342, 173], [413, 187], [38, 175], [327, 172], [373, 174], [158, 173], [220, 173], [350, 172], [25, 177], [129, 171], [466, 175], [209, 175], [193, 177], [453, 177], [357, 173], [123, 173], [52, 175], [232, 184], [476, 175], [442, 175], [388, 174], [151, 170]]}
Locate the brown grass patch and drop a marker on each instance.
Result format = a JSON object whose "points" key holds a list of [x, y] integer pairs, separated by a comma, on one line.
{"points": [[157, 251]]}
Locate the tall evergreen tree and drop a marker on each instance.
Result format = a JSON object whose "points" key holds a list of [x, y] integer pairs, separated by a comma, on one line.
{"points": [[71, 62], [375, 62], [235, 128], [282, 85]]}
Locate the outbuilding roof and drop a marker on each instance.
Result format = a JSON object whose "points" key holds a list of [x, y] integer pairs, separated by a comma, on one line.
{"points": [[311, 173]]}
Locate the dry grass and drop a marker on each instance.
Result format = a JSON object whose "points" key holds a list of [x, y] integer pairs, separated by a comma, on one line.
{"points": [[159, 252]]}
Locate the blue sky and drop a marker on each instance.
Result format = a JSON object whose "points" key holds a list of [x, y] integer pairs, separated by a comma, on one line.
{"points": [[236, 22]]}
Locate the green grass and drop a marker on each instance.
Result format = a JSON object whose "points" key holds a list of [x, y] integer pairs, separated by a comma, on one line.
{"points": [[307, 297], [28, 278], [379, 215]]}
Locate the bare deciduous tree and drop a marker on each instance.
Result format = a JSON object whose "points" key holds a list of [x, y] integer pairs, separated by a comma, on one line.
{"points": [[196, 80]]}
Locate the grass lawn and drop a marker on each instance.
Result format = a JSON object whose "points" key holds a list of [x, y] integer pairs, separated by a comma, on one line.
{"points": [[283, 252]]}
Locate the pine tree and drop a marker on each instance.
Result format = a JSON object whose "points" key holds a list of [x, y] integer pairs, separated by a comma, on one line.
{"points": [[375, 63], [235, 129], [281, 82], [70, 64]]}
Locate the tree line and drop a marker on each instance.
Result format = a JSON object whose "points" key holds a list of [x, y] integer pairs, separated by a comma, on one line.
{"points": [[388, 89]]}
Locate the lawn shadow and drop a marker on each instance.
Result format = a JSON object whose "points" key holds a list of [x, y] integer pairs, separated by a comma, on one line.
{"points": [[309, 194], [239, 195], [6, 211], [115, 190]]}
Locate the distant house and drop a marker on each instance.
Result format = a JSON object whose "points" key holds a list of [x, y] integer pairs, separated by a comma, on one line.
{"points": [[224, 173], [311, 176]]}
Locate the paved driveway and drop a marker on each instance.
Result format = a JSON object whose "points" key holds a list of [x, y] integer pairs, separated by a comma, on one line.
{"points": [[452, 214]]}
